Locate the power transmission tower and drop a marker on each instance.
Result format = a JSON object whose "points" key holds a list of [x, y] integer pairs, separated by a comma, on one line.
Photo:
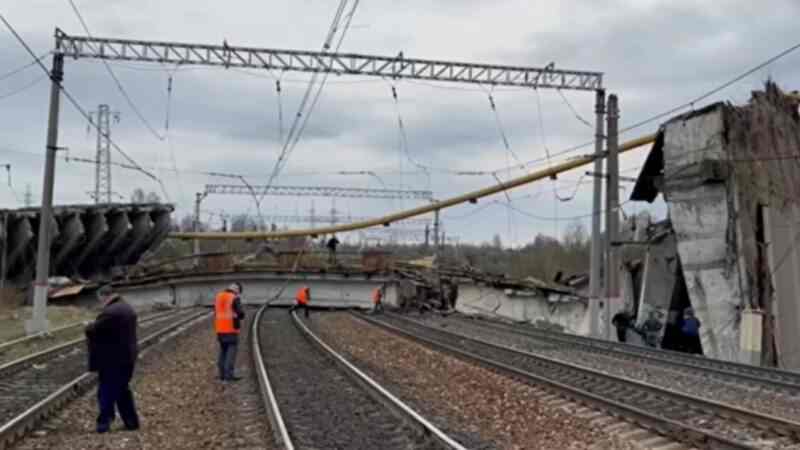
{"points": [[102, 178]]}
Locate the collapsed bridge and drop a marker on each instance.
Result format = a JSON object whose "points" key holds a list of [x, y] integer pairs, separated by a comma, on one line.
{"points": [[87, 240]]}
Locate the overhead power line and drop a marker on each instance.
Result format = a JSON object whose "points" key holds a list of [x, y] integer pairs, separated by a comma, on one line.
{"points": [[79, 108], [22, 68], [23, 88], [301, 118], [689, 104], [120, 87]]}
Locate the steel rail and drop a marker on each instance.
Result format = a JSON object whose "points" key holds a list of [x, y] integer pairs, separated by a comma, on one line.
{"points": [[25, 339], [15, 365], [395, 403], [673, 428], [387, 220], [16, 428], [279, 429], [764, 376]]}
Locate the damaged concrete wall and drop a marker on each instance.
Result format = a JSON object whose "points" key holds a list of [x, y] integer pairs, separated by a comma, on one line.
{"points": [[701, 217], [658, 279], [565, 312], [731, 179]]}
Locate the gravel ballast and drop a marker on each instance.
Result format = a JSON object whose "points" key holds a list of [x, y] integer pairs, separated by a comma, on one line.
{"points": [[480, 408], [697, 384], [180, 402], [322, 405]]}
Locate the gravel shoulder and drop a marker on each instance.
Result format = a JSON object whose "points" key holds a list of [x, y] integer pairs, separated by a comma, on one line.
{"points": [[480, 408], [181, 404], [12, 321], [754, 398]]}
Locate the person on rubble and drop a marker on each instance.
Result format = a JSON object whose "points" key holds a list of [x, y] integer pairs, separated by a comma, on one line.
{"points": [[113, 350], [690, 332], [228, 316], [377, 299], [651, 329], [302, 299], [622, 321], [332, 244]]}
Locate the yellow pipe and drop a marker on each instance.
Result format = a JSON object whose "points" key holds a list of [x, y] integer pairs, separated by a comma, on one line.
{"points": [[442, 204]]}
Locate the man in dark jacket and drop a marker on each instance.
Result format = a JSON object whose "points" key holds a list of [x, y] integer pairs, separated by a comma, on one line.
{"points": [[113, 349], [332, 244], [622, 321], [690, 331], [651, 329]]}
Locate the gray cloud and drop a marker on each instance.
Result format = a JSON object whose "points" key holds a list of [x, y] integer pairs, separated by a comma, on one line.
{"points": [[655, 55]]}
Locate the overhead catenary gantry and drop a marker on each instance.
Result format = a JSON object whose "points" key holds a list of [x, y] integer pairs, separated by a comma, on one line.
{"points": [[393, 67], [315, 61], [318, 191]]}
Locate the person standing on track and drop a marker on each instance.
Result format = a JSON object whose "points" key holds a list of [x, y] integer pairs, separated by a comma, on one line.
{"points": [[651, 329], [228, 316], [302, 299], [113, 350], [691, 333], [622, 321], [332, 244], [377, 299]]}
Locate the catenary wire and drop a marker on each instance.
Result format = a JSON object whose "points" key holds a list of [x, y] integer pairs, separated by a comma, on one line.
{"points": [[24, 67], [118, 83], [288, 143], [689, 104], [23, 88]]}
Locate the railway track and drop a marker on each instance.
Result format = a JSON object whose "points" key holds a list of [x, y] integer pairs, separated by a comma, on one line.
{"points": [[693, 421], [774, 379], [24, 346], [33, 387], [317, 399]]}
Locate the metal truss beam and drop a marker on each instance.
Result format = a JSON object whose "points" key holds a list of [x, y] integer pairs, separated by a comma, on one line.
{"points": [[317, 191], [337, 63]]}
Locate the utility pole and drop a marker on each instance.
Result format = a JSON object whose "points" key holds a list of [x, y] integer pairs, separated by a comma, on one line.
{"points": [[38, 322], [597, 204], [436, 240], [102, 177], [4, 256], [612, 210], [198, 199], [28, 196]]}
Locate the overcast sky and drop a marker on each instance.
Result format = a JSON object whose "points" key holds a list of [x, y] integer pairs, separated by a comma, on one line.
{"points": [[655, 54]]}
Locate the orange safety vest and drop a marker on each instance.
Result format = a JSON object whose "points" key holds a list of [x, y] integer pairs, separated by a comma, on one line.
{"points": [[302, 296], [224, 314], [377, 296]]}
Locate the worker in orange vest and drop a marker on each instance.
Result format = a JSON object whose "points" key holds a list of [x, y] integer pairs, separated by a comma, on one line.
{"points": [[377, 299], [302, 299], [228, 316]]}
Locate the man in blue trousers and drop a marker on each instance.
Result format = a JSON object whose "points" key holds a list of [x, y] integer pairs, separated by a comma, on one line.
{"points": [[113, 349]]}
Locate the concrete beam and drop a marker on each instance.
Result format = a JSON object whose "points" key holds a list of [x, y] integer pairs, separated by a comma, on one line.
{"points": [[71, 236], [96, 227]]}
